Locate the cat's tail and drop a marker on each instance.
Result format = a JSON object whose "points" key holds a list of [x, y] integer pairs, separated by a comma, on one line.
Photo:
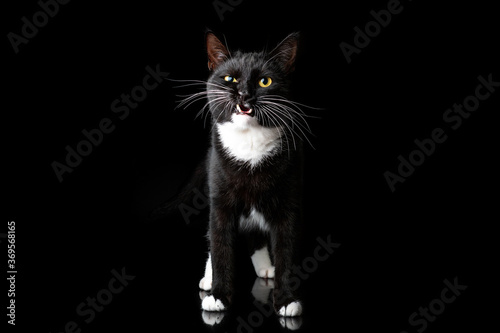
{"points": [[192, 194]]}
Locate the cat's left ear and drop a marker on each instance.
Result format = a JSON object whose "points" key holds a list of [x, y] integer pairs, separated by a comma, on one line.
{"points": [[286, 52]]}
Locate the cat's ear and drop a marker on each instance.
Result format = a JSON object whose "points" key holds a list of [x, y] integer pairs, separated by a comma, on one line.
{"points": [[217, 52], [286, 52]]}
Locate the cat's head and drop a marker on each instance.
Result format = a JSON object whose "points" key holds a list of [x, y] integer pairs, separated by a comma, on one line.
{"points": [[254, 85]]}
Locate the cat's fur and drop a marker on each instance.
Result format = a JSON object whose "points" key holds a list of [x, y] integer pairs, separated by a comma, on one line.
{"points": [[253, 169]]}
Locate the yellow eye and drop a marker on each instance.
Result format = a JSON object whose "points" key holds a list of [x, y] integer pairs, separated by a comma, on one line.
{"points": [[265, 82], [229, 78]]}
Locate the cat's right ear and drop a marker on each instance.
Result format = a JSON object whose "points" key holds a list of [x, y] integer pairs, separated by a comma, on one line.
{"points": [[217, 52]]}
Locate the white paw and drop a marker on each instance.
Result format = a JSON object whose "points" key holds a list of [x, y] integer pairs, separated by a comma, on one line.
{"points": [[209, 303], [266, 273], [291, 310], [206, 283]]}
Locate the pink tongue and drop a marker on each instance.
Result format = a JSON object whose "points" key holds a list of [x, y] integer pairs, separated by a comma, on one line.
{"points": [[244, 109]]}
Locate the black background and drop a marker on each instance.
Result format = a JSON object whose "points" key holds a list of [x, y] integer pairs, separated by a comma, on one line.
{"points": [[397, 247]]}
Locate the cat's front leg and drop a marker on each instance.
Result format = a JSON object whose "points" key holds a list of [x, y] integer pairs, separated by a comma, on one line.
{"points": [[285, 300], [222, 236]]}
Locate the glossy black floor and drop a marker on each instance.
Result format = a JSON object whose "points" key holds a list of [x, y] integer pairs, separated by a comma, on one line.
{"points": [[416, 259], [381, 276]]}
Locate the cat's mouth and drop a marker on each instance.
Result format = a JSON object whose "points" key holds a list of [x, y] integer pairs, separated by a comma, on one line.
{"points": [[243, 110]]}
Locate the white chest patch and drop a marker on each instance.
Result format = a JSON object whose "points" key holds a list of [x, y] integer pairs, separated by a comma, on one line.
{"points": [[254, 220], [247, 141]]}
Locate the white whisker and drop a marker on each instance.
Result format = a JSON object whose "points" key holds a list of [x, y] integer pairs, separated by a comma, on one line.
{"points": [[298, 125]]}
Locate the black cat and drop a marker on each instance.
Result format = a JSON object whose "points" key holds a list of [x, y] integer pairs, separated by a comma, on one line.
{"points": [[253, 168]]}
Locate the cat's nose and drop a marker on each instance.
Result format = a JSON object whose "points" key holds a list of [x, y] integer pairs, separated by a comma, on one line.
{"points": [[244, 98]]}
